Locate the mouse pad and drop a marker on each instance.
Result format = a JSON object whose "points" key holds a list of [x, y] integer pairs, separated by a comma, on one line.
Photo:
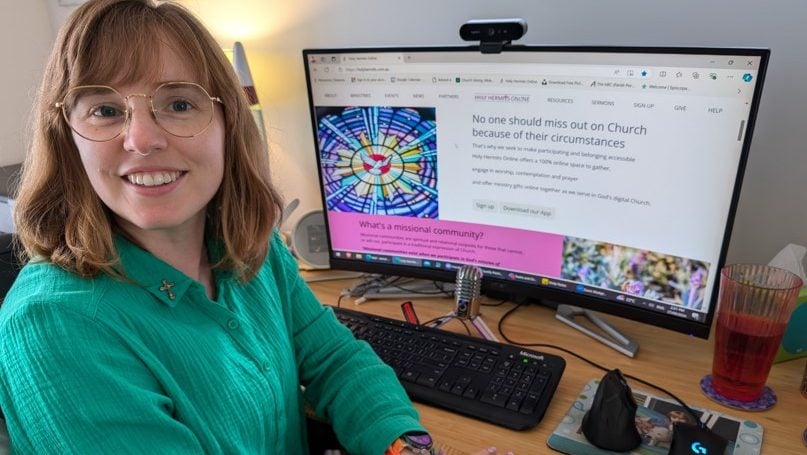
{"points": [[654, 419]]}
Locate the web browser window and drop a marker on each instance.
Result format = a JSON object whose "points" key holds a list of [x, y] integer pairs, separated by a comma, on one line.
{"points": [[565, 169]]}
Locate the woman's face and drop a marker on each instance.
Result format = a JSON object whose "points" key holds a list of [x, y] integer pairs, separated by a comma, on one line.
{"points": [[151, 180]]}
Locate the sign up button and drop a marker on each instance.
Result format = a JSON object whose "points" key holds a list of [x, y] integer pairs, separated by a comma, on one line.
{"points": [[486, 206]]}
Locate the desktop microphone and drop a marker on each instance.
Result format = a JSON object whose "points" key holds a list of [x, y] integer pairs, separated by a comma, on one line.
{"points": [[466, 292]]}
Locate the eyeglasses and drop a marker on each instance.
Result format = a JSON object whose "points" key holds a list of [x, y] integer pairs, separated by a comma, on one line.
{"points": [[99, 113]]}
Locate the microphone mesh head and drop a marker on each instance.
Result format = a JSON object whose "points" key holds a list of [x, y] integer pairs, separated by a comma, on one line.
{"points": [[468, 286]]}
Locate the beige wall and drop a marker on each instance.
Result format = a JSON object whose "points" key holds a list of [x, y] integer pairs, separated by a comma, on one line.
{"points": [[26, 36]]}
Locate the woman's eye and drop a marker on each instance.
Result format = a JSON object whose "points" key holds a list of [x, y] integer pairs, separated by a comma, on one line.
{"points": [[106, 111], [180, 106]]}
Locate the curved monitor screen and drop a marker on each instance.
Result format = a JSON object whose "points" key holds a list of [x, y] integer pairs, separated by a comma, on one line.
{"points": [[606, 178]]}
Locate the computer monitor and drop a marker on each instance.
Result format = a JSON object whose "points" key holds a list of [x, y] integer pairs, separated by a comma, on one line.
{"points": [[601, 177]]}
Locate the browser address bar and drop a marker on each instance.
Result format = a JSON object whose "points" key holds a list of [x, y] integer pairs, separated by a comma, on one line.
{"points": [[505, 71]]}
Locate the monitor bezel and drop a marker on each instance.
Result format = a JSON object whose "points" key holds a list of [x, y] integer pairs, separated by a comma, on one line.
{"points": [[545, 295]]}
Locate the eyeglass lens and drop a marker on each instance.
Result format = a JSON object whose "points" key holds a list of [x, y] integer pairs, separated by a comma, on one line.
{"points": [[99, 113]]}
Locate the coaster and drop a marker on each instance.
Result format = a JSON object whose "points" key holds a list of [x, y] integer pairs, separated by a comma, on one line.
{"points": [[765, 401]]}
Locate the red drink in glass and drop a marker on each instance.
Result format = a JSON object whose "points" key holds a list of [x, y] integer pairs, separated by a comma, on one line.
{"points": [[745, 346], [755, 305]]}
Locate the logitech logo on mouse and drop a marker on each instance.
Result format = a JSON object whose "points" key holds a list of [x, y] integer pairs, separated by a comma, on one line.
{"points": [[698, 448]]}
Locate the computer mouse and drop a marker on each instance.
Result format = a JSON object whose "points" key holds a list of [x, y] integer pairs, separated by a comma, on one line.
{"points": [[696, 440], [610, 422]]}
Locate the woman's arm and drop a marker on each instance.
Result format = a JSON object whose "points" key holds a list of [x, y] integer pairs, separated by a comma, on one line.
{"points": [[344, 379], [72, 386]]}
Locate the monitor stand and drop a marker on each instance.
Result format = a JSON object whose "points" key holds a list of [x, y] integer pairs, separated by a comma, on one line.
{"points": [[607, 335], [394, 287]]}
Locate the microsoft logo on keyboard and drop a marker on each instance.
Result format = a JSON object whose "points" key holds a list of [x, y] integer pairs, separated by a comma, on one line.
{"points": [[531, 355]]}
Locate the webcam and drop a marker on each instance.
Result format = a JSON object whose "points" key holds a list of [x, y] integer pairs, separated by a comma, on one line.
{"points": [[493, 34]]}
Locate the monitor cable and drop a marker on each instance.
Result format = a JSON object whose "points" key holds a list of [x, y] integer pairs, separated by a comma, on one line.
{"points": [[439, 289], [499, 303]]}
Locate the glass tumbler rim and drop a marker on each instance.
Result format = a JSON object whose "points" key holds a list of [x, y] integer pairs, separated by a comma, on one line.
{"points": [[793, 280]]}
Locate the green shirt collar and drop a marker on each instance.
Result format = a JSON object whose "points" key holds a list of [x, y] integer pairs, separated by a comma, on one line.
{"points": [[165, 282]]}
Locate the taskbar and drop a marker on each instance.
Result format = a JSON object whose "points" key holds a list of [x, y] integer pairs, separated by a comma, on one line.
{"points": [[537, 280]]}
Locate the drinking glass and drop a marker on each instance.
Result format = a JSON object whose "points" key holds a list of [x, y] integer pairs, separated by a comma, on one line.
{"points": [[755, 305]]}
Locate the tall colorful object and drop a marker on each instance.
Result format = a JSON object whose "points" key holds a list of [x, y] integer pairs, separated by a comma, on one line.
{"points": [[794, 342], [238, 58]]}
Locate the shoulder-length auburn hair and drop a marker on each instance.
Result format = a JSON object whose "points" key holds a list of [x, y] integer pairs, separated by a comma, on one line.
{"points": [[59, 217]]}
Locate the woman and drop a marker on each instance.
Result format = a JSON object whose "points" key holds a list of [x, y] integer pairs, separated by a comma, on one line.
{"points": [[159, 310]]}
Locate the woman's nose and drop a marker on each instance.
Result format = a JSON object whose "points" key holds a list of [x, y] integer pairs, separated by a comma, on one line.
{"points": [[142, 134]]}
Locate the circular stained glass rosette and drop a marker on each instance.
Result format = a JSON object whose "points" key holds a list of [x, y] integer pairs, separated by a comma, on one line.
{"points": [[379, 160]]}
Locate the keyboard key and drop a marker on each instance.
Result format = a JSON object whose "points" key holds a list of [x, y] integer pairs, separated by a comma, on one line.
{"points": [[528, 407], [514, 404], [429, 380], [494, 398], [460, 385], [471, 392], [492, 388], [410, 375], [538, 386]]}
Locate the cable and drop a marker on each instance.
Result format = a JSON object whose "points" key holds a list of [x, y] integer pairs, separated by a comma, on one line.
{"points": [[430, 321], [686, 407], [439, 290], [464, 324], [445, 319], [369, 281]]}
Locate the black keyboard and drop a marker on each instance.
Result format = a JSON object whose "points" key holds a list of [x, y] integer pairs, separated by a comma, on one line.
{"points": [[499, 383]]}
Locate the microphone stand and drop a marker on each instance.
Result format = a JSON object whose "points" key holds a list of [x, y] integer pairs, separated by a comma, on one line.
{"points": [[467, 290], [476, 321]]}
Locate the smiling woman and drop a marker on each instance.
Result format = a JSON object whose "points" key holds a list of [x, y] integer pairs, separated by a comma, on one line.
{"points": [[158, 308]]}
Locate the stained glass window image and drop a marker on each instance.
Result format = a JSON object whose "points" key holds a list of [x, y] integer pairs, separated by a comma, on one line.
{"points": [[379, 160]]}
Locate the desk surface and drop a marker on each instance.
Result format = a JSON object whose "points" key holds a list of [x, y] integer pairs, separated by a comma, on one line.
{"points": [[669, 359]]}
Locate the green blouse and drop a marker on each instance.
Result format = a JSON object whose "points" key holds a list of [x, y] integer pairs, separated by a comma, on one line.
{"points": [[107, 366]]}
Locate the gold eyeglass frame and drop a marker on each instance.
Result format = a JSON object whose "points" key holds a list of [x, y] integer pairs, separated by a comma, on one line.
{"points": [[128, 111]]}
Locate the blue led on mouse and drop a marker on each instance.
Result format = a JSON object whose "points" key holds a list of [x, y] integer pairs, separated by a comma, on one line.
{"points": [[696, 440]]}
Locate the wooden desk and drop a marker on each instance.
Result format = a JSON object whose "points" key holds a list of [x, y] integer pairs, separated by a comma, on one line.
{"points": [[669, 359]]}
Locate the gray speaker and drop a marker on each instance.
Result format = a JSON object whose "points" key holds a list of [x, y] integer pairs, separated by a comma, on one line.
{"points": [[309, 241]]}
